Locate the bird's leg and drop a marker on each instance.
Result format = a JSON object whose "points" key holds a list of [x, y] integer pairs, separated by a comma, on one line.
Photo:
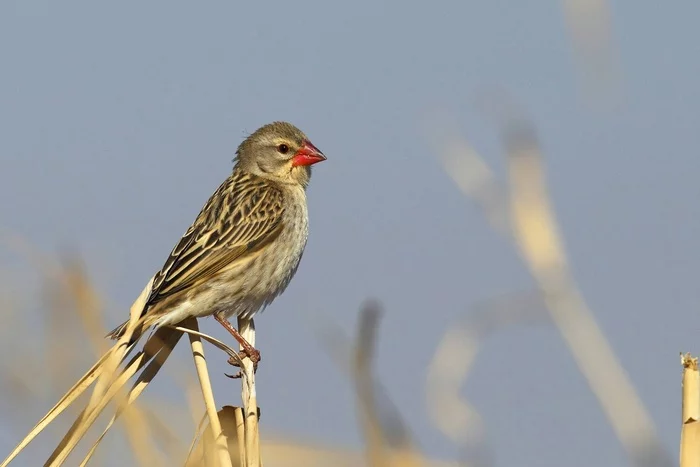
{"points": [[248, 350]]}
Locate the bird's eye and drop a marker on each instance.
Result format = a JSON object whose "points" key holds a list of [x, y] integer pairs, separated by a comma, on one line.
{"points": [[283, 148]]}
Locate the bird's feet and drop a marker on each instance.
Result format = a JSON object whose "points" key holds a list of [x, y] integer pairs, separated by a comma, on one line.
{"points": [[252, 353], [248, 350]]}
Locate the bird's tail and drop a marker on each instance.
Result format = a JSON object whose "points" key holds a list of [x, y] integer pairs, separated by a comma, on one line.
{"points": [[118, 332], [141, 327]]}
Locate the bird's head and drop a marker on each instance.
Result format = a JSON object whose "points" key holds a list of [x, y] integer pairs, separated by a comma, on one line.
{"points": [[279, 151]]}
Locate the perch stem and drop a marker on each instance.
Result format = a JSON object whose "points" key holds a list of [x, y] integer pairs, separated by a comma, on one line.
{"points": [[246, 327], [690, 429], [200, 364]]}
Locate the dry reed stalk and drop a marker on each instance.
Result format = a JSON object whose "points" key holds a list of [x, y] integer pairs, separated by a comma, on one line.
{"points": [[87, 305], [136, 426], [118, 352], [108, 364], [388, 441], [690, 430], [533, 228], [451, 412], [364, 386], [140, 436], [381, 452], [109, 385], [246, 327], [71, 290], [224, 460], [72, 394], [110, 380], [232, 427], [157, 348], [289, 453], [537, 235], [126, 400], [163, 431], [239, 422], [164, 340], [196, 448]]}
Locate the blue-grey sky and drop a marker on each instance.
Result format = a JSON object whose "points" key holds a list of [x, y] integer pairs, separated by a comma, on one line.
{"points": [[118, 120]]}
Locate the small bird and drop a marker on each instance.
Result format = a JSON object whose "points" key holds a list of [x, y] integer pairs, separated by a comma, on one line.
{"points": [[245, 245]]}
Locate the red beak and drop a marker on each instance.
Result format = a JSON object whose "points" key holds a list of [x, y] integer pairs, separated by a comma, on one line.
{"points": [[308, 154]]}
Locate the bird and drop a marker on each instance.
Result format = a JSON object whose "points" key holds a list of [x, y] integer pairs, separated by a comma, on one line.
{"points": [[245, 246]]}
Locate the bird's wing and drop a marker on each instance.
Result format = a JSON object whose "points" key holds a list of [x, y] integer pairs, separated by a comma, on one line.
{"points": [[241, 217]]}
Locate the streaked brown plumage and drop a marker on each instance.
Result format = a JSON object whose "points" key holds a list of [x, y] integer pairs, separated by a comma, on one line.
{"points": [[245, 245]]}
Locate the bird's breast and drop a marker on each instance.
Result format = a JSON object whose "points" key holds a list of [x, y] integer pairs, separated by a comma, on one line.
{"points": [[247, 286], [275, 267]]}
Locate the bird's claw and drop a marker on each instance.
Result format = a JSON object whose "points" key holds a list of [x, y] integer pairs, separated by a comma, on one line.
{"points": [[254, 356]]}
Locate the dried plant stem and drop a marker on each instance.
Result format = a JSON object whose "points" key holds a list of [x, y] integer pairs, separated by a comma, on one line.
{"points": [[246, 327], [239, 419], [233, 428], [533, 228], [87, 303], [362, 374], [118, 352], [109, 383], [72, 394], [88, 416], [537, 236], [165, 348], [388, 441], [690, 430], [200, 364]]}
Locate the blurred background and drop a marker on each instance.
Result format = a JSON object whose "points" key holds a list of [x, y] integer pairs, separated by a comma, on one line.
{"points": [[118, 120]]}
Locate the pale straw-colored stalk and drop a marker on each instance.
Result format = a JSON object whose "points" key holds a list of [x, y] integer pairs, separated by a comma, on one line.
{"points": [[246, 327], [690, 428], [524, 213], [200, 363]]}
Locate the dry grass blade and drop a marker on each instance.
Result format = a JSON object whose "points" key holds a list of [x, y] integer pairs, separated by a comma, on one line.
{"points": [[164, 432], [87, 306], [216, 342], [110, 380], [141, 436], [121, 349], [690, 429], [70, 291], [364, 353], [221, 449], [138, 387], [388, 440], [79, 285], [72, 394], [468, 170], [195, 450], [452, 413], [93, 410]]}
